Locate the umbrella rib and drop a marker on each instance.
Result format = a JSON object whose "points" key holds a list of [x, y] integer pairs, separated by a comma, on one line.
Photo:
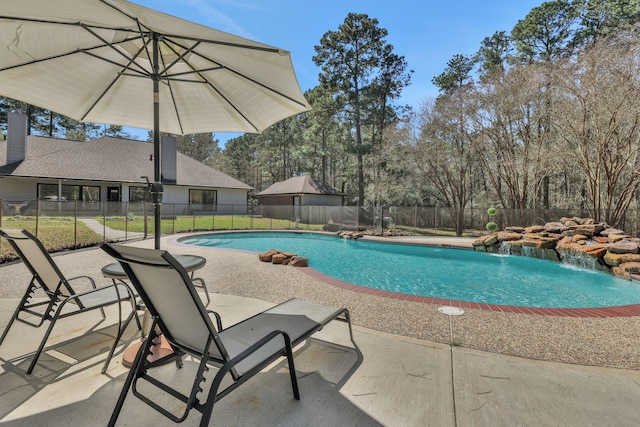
{"points": [[104, 92], [143, 73], [111, 45], [262, 48], [67, 23], [173, 98], [199, 73], [120, 74], [230, 44], [180, 56], [241, 75], [127, 54], [37, 61]]}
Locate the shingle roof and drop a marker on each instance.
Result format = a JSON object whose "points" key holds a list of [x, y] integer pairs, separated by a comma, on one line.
{"points": [[106, 159], [303, 184]]}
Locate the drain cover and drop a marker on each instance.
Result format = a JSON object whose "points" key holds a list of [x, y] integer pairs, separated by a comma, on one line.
{"points": [[451, 311]]}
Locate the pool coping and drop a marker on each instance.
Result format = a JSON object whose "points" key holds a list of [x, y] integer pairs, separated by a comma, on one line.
{"points": [[611, 311]]}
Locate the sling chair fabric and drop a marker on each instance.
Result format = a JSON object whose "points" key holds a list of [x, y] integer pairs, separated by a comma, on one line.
{"points": [[238, 352], [61, 300]]}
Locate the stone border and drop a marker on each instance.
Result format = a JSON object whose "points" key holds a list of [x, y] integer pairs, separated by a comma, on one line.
{"points": [[593, 245]]}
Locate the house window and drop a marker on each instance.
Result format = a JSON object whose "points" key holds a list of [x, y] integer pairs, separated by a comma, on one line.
{"points": [[138, 194], [87, 193], [207, 198]]}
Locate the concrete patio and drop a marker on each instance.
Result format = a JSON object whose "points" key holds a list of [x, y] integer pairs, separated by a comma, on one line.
{"points": [[392, 380]]}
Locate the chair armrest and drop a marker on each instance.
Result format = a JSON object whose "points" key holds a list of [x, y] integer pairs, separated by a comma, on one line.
{"points": [[93, 282], [117, 288], [256, 346], [229, 367], [218, 319]]}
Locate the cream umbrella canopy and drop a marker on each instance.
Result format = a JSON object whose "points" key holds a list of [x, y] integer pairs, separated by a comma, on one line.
{"points": [[115, 62]]}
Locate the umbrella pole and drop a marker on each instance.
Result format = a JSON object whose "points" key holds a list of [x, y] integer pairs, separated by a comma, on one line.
{"points": [[157, 188]]}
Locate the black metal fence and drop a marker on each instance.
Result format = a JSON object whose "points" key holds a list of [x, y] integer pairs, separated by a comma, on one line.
{"points": [[114, 221]]}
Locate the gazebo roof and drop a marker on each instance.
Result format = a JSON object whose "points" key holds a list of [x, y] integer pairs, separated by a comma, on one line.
{"points": [[302, 184]]}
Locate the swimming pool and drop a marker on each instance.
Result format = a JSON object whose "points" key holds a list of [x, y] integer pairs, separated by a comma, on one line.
{"points": [[457, 274]]}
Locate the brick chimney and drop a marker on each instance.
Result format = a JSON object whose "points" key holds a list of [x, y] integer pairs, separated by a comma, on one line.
{"points": [[16, 137]]}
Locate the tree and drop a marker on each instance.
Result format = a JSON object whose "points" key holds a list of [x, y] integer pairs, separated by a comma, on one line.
{"points": [[8, 105], [201, 146], [599, 118], [444, 151], [493, 55], [321, 131], [602, 18], [243, 159], [352, 58], [512, 153], [441, 157], [546, 33], [115, 131], [545, 36]]}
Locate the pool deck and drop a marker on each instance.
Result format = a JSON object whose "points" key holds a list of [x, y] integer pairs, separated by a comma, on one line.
{"points": [[406, 372]]}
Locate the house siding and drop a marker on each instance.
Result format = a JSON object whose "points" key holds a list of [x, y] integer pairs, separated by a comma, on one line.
{"points": [[110, 162], [321, 200], [17, 189]]}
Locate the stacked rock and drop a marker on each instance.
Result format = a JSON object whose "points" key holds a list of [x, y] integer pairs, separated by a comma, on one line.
{"points": [[275, 256], [581, 240]]}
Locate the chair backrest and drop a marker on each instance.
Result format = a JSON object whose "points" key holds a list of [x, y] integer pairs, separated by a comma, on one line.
{"points": [[169, 295], [35, 256]]}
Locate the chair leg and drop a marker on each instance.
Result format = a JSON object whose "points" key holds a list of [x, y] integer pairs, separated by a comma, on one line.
{"points": [[6, 329], [133, 371], [36, 356], [292, 368], [121, 328], [46, 336], [16, 313]]}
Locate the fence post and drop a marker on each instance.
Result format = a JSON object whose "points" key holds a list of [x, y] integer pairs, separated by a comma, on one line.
{"points": [[37, 214], [435, 218], [75, 225], [104, 221], [146, 224], [173, 218]]}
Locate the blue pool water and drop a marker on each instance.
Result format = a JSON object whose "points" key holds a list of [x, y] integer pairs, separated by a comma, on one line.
{"points": [[457, 274]]}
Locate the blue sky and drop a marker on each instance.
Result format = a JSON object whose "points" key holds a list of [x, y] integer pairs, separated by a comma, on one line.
{"points": [[427, 34]]}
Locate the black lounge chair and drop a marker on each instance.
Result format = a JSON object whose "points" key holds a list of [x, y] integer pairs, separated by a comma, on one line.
{"points": [[61, 300], [238, 352]]}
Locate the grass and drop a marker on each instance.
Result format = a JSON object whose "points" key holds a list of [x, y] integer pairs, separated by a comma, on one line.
{"points": [[438, 231], [55, 233], [62, 233], [183, 224]]}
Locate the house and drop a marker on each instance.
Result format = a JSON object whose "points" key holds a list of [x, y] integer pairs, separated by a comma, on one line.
{"points": [[111, 169], [300, 191]]}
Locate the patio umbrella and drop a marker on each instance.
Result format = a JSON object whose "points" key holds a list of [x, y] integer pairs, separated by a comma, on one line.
{"points": [[115, 62]]}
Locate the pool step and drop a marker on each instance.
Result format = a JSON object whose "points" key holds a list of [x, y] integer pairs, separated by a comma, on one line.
{"points": [[635, 277]]}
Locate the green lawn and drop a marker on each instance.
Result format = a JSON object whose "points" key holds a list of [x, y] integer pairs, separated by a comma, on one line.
{"points": [[56, 233], [60, 233], [183, 224]]}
